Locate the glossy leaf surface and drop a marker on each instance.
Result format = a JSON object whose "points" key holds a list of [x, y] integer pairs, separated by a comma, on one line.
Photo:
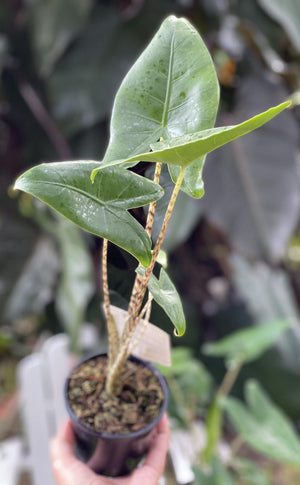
{"points": [[263, 426], [99, 208], [166, 295], [186, 149], [247, 344], [171, 90], [193, 182]]}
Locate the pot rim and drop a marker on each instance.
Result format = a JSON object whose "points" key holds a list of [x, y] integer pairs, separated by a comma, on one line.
{"points": [[113, 436]]}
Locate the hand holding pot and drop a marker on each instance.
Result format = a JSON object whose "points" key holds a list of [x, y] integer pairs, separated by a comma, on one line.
{"points": [[68, 470]]}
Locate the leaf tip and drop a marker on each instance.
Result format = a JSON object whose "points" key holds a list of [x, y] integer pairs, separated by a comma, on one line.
{"points": [[18, 185], [145, 260], [288, 103], [162, 259], [197, 193], [179, 333]]}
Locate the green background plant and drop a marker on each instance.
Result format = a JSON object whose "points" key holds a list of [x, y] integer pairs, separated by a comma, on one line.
{"points": [[245, 274]]}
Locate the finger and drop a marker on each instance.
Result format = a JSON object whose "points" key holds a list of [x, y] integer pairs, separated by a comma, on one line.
{"points": [[62, 444], [67, 469], [163, 425]]}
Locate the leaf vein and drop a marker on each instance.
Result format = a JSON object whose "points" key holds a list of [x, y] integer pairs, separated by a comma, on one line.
{"points": [[139, 115], [168, 90]]}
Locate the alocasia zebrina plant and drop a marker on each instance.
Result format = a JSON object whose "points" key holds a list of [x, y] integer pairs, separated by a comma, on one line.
{"points": [[164, 112]]}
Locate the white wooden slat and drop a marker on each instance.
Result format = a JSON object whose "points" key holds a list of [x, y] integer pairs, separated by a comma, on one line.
{"points": [[179, 450], [58, 363], [89, 339], [185, 447], [36, 411], [10, 460]]}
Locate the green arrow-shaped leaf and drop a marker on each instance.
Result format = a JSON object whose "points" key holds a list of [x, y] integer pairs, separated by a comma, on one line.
{"points": [[171, 90], [99, 208], [166, 295], [247, 344], [184, 150], [263, 426]]}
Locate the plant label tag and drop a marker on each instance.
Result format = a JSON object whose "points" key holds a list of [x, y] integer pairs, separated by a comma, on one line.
{"points": [[154, 344]]}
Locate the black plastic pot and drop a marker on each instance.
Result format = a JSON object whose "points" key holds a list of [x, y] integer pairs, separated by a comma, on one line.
{"points": [[107, 453]]}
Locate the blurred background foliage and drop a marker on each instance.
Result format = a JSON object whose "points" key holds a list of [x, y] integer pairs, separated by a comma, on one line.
{"points": [[234, 255]]}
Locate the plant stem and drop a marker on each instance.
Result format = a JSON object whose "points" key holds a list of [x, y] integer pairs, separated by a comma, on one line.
{"points": [[112, 331], [214, 420], [229, 379], [148, 229], [114, 373], [136, 304], [152, 206]]}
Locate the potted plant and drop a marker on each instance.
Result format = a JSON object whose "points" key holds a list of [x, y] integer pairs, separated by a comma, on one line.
{"points": [[164, 113]]}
